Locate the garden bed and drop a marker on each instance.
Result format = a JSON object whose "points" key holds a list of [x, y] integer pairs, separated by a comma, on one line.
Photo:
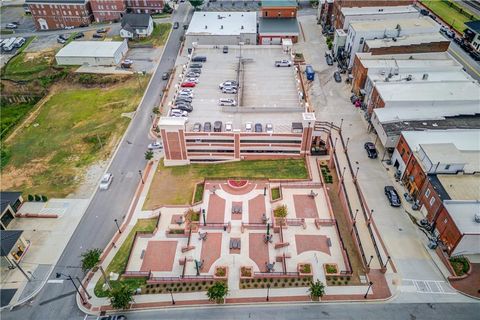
{"points": [[460, 265], [327, 176], [276, 193], [198, 195], [339, 280], [261, 283], [187, 286]]}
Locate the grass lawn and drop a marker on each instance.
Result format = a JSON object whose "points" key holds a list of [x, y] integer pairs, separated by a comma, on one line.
{"points": [[175, 185], [11, 115], [199, 192], [275, 193], [158, 37], [119, 262], [448, 14], [74, 128]]}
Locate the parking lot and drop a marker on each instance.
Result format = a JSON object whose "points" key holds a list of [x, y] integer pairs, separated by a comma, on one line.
{"points": [[270, 94]]}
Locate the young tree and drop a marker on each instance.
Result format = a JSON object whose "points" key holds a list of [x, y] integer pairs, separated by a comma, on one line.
{"points": [[317, 289], [156, 111], [217, 292], [148, 155], [167, 8], [90, 259], [196, 3], [121, 297]]}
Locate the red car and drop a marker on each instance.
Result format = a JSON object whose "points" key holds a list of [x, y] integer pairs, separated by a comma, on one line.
{"points": [[188, 85]]}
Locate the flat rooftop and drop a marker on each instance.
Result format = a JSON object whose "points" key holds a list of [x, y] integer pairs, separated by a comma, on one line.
{"points": [[285, 26], [222, 23], [427, 92], [422, 76], [90, 49], [423, 61], [407, 40], [412, 114], [464, 140], [461, 186], [421, 22], [378, 10], [463, 214], [443, 153]]}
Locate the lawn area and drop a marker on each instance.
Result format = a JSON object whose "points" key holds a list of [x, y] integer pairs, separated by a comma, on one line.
{"points": [[275, 193], [119, 262], [11, 115], [157, 38], [74, 128], [175, 185], [448, 14]]}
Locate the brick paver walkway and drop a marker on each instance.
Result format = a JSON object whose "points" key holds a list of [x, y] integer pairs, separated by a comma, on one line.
{"points": [[256, 209], [238, 191], [216, 209], [159, 256], [258, 250], [312, 243], [237, 216], [211, 250], [305, 206], [471, 284]]}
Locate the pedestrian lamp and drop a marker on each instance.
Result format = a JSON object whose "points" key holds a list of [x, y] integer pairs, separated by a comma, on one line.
{"points": [[204, 218], [268, 229], [371, 258], [171, 295], [196, 267], [268, 291], [118, 227], [370, 284], [69, 277]]}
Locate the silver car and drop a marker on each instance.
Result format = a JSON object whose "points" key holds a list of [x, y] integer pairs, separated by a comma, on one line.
{"points": [[229, 90], [106, 181], [227, 102]]}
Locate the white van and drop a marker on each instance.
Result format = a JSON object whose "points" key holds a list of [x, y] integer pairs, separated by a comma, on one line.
{"points": [[8, 44], [19, 42]]}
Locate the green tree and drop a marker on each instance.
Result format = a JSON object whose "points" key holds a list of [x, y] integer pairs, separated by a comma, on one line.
{"points": [[196, 3], [148, 155], [217, 292], [90, 259], [167, 8], [281, 211], [317, 289], [156, 110], [121, 297]]}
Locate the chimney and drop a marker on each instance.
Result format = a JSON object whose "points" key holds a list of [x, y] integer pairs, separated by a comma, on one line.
{"points": [[241, 28], [206, 26], [425, 76], [221, 27]]}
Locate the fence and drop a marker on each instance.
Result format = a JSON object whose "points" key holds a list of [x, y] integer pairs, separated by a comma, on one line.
{"points": [[276, 274], [295, 222], [136, 274], [187, 278]]}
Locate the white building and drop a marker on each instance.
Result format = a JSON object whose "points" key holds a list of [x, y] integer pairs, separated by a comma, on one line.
{"points": [[222, 28], [360, 31], [136, 25], [93, 53], [349, 15]]}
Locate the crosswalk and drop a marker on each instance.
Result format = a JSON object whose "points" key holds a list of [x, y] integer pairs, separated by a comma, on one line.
{"points": [[426, 286]]}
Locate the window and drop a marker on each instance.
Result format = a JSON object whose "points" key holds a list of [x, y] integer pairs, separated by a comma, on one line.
{"points": [[403, 152], [432, 201], [447, 167], [445, 221], [427, 193]]}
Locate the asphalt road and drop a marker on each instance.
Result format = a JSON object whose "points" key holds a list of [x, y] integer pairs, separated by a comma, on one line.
{"points": [[471, 66], [357, 311], [57, 300]]}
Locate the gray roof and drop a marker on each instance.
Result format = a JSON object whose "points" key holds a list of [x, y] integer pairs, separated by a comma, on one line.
{"points": [[437, 185], [473, 25], [7, 198], [268, 25], [6, 296], [8, 238], [278, 3], [136, 20]]}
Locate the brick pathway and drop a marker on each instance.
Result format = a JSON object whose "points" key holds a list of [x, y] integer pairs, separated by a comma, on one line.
{"points": [[237, 216], [238, 191], [312, 243], [258, 250], [305, 206], [471, 284], [256, 209], [211, 250], [159, 256], [216, 209], [175, 218]]}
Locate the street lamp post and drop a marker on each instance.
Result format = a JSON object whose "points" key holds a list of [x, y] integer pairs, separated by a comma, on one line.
{"points": [[346, 144], [355, 216], [356, 174], [141, 176], [84, 289], [58, 275], [204, 218], [370, 217], [370, 284], [268, 291], [386, 262], [118, 227], [171, 295], [368, 264]]}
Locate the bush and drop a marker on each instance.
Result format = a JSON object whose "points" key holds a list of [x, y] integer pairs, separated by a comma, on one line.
{"points": [[44, 198], [30, 197], [37, 197], [281, 211]]}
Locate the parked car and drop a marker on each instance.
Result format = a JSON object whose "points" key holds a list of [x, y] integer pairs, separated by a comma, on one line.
{"points": [[184, 107], [155, 145], [258, 127], [450, 34], [199, 59], [165, 76], [127, 63], [371, 151], [229, 90], [443, 29], [227, 102], [113, 317], [192, 79], [225, 49], [184, 99], [176, 25], [269, 128], [196, 65], [187, 90], [207, 127], [475, 55], [11, 26], [424, 12], [188, 85], [392, 196], [197, 127], [78, 35], [434, 17], [228, 127], [248, 126], [217, 126], [192, 74], [97, 36], [69, 27], [106, 181], [228, 83], [178, 113], [337, 76], [457, 40], [185, 95], [61, 40], [196, 70], [283, 63], [329, 60], [102, 30]]}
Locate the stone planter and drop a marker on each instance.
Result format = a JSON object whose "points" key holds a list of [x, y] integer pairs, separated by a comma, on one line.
{"points": [[304, 269], [328, 269], [246, 272], [220, 273]]}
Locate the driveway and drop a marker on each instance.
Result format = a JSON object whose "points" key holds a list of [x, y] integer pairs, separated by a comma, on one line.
{"points": [[17, 14], [144, 59]]}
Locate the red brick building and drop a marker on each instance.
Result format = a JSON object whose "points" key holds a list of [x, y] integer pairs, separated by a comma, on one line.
{"points": [[108, 10], [58, 14], [278, 9], [278, 20], [145, 6]]}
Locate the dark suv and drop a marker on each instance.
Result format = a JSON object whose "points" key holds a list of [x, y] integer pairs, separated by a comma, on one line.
{"points": [[258, 127], [199, 59], [207, 127], [371, 151], [392, 196], [217, 126]]}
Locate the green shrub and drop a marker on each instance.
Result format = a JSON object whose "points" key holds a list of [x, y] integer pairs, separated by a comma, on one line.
{"points": [[44, 198], [37, 197], [30, 197]]}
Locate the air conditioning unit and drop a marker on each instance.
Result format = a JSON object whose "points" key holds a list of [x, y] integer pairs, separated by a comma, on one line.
{"points": [[425, 76]]}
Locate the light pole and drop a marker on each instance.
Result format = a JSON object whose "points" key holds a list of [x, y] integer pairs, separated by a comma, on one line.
{"points": [[355, 216], [141, 176], [346, 144], [204, 218], [368, 264], [268, 291], [171, 295], [370, 284], [59, 274], [370, 218], [84, 289], [356, 174], [341, 123], [118, 227], [386, 262]]}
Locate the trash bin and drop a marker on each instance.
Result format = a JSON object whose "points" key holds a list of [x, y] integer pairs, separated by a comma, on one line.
{"points": [[310, 73]]}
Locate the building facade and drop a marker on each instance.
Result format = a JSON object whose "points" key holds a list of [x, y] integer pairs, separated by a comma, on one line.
{"points": [[278, 20], [108, 10], [10, 203], [145, 6], [58, 14]]}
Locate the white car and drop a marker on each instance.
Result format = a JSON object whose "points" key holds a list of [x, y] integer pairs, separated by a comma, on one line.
{"points": [[178, 113], [185, 94], [269, 128], [227, 102], [186, 90], [106, 181], [228, 83], [155, 145], [228, 127], [69, 27], [248, 126], [283, 63], [229, 90]]}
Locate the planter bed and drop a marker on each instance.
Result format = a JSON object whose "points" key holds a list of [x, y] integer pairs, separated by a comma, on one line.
{"points": [[285, 282], [178, 287]]}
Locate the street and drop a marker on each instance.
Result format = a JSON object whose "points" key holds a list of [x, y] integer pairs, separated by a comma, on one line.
{"points": [[57, 300], [471, 66]]}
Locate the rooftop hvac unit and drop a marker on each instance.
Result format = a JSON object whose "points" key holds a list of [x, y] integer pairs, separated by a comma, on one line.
{"points": [[221, 27], [477, 217], [409, 78], [425, 76], [395, 72]]}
